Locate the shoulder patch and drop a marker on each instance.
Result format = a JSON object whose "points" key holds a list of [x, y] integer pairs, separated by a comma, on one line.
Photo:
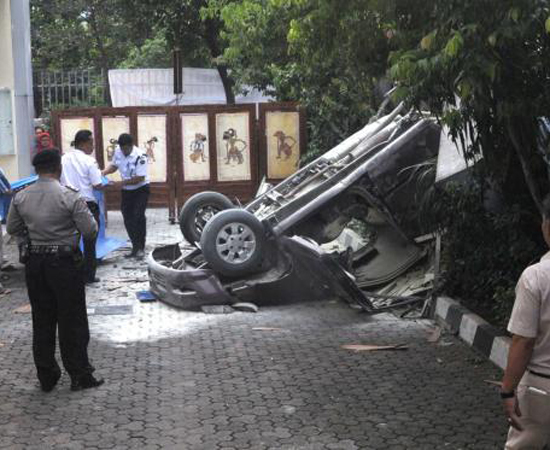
{"points": [[143, 160]]}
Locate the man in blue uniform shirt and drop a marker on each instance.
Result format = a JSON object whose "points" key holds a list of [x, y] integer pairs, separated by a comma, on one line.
{"points": [[131, 162]]}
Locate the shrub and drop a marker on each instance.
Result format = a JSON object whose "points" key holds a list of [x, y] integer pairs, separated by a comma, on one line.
{"points": [[485, 249]]}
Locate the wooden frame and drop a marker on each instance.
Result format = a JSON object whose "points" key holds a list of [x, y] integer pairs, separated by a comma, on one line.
{"points": [[262, 133], [173, 193]]}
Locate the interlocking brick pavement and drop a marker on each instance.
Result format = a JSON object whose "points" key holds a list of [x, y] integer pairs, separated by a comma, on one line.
{"points": [[182, 380]]}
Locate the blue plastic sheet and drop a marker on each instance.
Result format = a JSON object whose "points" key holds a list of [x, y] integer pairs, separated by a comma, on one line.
{"points": [[5, 199], [104, 245]]}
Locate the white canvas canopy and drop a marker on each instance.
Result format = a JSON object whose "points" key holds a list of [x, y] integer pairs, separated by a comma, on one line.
{"points": [[154, 87]]}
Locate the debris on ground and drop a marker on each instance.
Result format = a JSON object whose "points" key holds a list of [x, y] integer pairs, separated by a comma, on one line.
{"points": [[435, 334], [245, 307], [217, 309], [267, 329], [493, 382], [146, 296], [373, 348], [25, 309]]}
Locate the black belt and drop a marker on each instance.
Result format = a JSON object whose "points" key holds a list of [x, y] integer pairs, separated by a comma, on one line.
{"points": [[538, 374], [52, 250]]}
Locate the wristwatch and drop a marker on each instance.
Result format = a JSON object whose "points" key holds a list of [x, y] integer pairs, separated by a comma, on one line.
{"points": [[505, 395]]}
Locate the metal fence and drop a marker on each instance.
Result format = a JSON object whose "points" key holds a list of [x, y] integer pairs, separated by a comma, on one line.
{"points": [[62, 89]]}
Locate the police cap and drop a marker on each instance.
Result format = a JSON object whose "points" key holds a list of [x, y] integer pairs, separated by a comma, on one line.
{"points": [[47, 158]]}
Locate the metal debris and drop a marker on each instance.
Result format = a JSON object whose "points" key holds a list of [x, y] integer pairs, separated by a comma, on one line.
{"points": [[217, 309], [373, 348], [245, 307]]}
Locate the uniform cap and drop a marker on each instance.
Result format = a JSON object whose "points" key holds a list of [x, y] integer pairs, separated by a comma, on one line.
{"points": [[48, 157]]}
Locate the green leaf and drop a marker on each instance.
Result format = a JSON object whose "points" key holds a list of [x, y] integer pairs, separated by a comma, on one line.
{"points": [[491, 70], [454, 45], [492, 39], [547, 25], [400, 93], [514, 14], [428, 40], [464, 89]]}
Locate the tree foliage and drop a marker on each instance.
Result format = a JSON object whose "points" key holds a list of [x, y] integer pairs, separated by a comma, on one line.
{"points": [[330, 56], [482, 66], [190, 25], [154, 52], [70, 34]]}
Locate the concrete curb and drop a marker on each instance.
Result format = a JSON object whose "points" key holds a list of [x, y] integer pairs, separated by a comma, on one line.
{"points": [[473, 330]]}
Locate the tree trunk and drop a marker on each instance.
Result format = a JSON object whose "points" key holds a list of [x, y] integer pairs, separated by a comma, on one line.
{"points": [[103, 55], [228, 84], [211, 35], [521, 146]]}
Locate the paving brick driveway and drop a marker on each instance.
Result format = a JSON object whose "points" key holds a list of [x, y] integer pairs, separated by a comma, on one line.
{"points": [[180, 380]]}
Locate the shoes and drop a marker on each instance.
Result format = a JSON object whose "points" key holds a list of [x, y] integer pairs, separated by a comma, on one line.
{"points": [[95, 280], [132, 254], [86, 382], [140, 254], [49, 385]]}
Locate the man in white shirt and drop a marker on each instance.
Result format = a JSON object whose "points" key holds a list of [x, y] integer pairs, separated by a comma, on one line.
{"points": [[526, 384], [81, 172], [131, 162]]}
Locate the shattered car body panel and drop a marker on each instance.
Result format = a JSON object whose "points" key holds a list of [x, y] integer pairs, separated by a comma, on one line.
{"points": [[303, 270], [372, 174]]}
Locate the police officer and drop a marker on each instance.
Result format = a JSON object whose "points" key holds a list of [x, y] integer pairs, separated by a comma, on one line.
{"points": [[53, 217], [131, 162], [81, 172]]}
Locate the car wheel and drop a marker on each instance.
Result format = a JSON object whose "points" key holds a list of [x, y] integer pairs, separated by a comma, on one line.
{"points": [[198, 210], [233, 242]]}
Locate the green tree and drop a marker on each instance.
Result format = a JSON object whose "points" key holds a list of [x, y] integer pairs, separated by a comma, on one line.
{"points": [[190, 25], [70, 34], [482, 66], [154, 52], [331, 56]]}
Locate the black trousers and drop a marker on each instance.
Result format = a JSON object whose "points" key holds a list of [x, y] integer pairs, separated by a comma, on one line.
{"points": [[58, 302], [90, 259], [133, 206]]}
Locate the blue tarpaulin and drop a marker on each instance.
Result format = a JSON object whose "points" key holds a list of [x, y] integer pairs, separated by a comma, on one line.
{"points": [[104, 244]]}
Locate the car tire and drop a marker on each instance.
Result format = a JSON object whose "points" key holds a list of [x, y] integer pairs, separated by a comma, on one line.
{"points": [[198, 210], [233, 242]]}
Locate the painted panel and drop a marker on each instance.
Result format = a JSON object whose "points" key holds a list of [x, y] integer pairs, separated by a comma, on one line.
{"points": [[233, 147], [112, 128], [152, 139], [283, 143], [69, 128], [196, 154]]}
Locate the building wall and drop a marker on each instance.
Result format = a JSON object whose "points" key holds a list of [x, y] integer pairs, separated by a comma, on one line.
{"points": [[16, 75]]}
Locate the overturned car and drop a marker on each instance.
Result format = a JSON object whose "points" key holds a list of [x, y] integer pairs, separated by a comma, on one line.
{"points": [[275, 248]]}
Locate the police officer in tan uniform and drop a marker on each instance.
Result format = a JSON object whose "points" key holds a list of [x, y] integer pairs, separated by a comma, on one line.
{"points": [[53, 218], [526, 382]]}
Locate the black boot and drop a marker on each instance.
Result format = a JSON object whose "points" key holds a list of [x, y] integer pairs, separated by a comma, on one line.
{"points": [[85, 382]]}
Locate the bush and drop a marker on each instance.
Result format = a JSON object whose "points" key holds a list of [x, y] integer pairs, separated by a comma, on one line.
{"points": [[485, 250]]}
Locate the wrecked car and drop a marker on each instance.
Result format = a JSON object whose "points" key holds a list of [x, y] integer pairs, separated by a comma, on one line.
{"points": [[272, 248]]}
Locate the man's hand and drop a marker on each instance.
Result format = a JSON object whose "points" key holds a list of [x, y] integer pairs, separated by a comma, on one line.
{"points": [[512, 412]]}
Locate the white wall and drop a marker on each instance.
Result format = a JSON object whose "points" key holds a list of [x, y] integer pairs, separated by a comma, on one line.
{"points": [[16, 75]]}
